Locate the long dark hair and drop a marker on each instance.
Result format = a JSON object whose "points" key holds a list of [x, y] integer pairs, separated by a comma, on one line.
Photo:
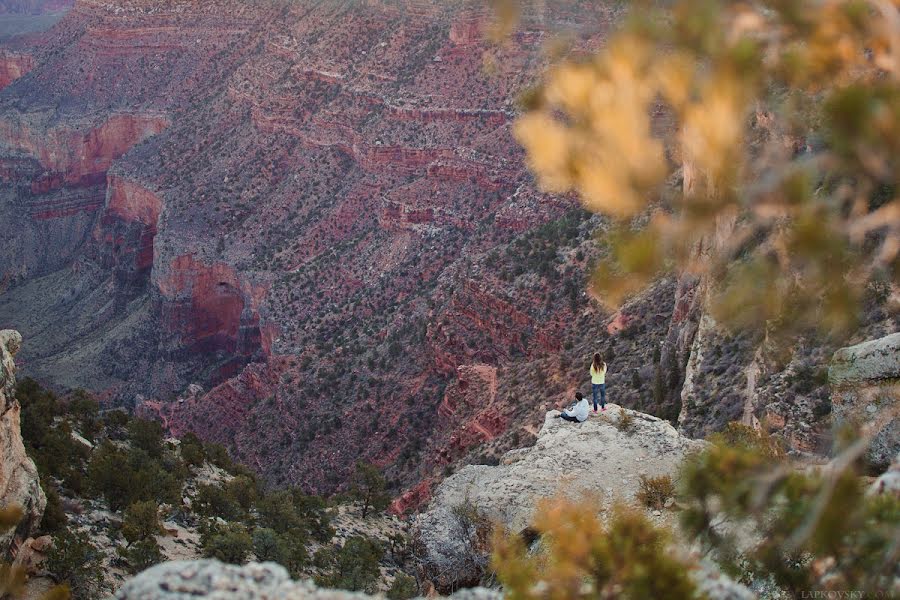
{"points": [[598, 363]]}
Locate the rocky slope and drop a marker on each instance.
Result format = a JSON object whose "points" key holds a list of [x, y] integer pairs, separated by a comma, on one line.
{"points": [[595, 460], [19, 482]]}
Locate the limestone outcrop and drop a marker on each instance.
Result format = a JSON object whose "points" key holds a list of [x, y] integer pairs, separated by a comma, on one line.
{"points": [[19, 483], [210, 579], [593, 457], [866, 384]]}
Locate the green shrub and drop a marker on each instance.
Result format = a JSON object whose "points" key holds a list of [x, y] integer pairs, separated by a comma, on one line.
{"points": [[213, 501], [141, 555], [353, 566], [54, 516], [122, 477], [243, 490], [192, 451], [141, 521], [74, 561], [109, 476], [269, 546], [86, 413], [146, 435], [230, 543], [277, 511], [403, 587], [217, 454]]}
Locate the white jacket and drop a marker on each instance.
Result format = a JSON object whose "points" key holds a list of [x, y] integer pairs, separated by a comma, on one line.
{"points": [[579, 411]]}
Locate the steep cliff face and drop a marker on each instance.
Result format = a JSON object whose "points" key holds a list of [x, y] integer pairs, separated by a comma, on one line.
{"points": [[19, 483]]}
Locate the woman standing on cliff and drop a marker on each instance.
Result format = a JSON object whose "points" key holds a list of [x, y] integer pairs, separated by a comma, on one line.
{"points": [[598, 380]]}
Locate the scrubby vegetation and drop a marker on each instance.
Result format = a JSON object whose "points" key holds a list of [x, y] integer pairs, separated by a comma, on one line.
{"points": [[139, 483], [583, 558], [654, 491]]}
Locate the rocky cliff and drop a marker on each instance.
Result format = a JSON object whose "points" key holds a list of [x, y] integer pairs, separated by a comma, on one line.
{"points": [[866, 386], [597, 460], [19, 483]]}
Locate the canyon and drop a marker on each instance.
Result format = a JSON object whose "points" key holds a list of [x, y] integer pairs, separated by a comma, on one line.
{"points": [[304, 230]]}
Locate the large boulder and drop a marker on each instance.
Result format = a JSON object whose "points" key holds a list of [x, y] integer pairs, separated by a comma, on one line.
{"points": [[19, 483], [866, 384], [213, 580], [593, 457]]}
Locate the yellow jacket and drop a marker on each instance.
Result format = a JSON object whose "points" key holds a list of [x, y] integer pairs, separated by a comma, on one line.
{"points": [[598, 376]]}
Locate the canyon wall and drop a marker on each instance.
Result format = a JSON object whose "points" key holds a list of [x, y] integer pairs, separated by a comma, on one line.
{"points": [[318, 213], [19, 483]]}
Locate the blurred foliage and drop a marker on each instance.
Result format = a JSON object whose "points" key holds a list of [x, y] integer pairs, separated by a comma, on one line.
{"points": [[580, 557], [759, 516], [780, 120], [817, 529]]}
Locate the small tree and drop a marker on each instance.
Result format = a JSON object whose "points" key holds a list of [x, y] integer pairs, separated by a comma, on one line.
{"points": [[214, 501], [141, 521], [352, 567], [146, 435], [108, 475], [192, 451], [268, 546], [369, 488], [243, 489], [141, 555], [403, 587]]}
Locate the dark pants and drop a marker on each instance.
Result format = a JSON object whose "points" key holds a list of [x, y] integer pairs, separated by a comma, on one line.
{"points": [[568, 418], [599, 387]]}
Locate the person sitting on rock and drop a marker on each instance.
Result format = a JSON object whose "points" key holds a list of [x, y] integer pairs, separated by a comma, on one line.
{"points": [[579, 412]]}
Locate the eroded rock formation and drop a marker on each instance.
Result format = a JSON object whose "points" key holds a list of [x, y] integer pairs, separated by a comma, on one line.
{"points": [[19, 483], [866, 383], [593, 458]]}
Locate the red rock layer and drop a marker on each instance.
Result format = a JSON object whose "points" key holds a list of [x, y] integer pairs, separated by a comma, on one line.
{"points": [[13, 66]]}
